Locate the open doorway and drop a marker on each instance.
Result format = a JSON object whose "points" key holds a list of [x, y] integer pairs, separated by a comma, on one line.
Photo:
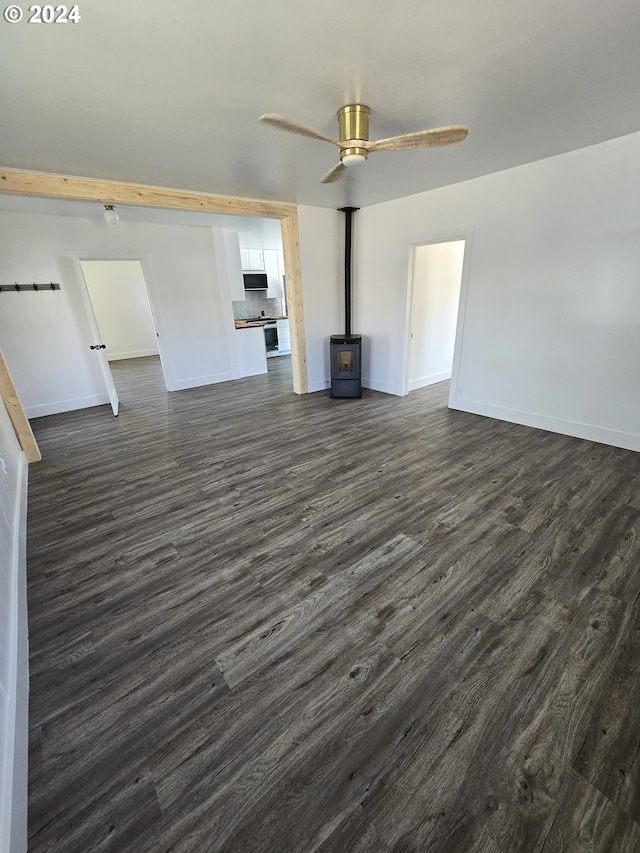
{"points": [[120, 312], [166, 205], [435, 284]]}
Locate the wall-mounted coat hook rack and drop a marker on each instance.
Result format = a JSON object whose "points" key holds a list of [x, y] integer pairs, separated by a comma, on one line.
{"points": [[18, 288]]}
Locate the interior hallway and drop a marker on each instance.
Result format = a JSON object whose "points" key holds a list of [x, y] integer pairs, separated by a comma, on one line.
{"points": [[267, 622]]}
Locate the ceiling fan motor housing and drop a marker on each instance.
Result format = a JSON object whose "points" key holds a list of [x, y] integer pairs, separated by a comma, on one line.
{"points": [[353, 121]]}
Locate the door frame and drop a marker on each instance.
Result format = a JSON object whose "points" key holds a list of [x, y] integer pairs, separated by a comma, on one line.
{"points": [[449, 235], [149, 285], [138, 195]]}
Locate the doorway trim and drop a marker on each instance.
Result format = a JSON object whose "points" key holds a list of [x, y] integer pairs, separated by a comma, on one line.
{"points": [[145, 265], [449, 235], [139, 195]]}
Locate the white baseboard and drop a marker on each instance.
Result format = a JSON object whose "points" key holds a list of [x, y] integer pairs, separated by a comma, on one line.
{"points": [[57, 406], [373, 384], [197, 381], [589, 432], [432, 379], [376, 385], [325, 384], [314, 385], [140, 353]]}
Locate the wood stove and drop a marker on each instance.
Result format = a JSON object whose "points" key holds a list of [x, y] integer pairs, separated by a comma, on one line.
{"points": [[345, 365], [346, 350]]}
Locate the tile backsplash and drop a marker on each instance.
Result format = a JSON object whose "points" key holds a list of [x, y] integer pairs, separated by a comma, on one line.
{"points": [[255, 303]]}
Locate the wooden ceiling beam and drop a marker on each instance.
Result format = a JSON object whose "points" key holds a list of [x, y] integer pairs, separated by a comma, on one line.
{"points": [[17, 182], [111, 192]]}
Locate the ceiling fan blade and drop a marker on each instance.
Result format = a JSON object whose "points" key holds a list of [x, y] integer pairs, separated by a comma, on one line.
{"points": [[283, 123], [422, 139], [335, 173]]}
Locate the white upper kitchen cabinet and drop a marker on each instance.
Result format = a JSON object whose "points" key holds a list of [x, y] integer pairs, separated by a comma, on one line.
{"points": [[274, 278], [253, 259], [234, 265]]}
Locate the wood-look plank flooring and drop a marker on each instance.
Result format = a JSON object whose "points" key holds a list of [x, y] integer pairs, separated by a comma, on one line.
{"points": [[264, 622]]}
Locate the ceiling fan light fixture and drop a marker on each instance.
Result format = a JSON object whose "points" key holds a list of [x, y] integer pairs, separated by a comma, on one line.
{"points": [[353, 159], [111, 214]]}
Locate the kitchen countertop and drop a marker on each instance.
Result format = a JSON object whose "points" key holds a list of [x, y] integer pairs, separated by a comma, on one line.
{"points": [[242, 324]]}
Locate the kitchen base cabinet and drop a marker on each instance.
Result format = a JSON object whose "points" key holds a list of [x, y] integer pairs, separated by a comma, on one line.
{"points": [[284, 337], [251, 351]]}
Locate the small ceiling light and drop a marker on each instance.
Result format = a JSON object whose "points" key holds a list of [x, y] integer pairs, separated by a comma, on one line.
{"points": [[110, 214], [353, 159]]}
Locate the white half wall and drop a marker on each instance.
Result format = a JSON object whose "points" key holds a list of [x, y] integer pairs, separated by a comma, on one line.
{"points": [[45, 337], [548, 331], [321, 259], [121, 307], [14, 676]]}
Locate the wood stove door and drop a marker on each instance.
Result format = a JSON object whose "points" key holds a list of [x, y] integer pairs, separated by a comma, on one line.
{"points": [[345, 362]]}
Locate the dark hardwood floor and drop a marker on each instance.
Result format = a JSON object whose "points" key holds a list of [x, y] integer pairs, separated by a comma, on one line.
{"points": [[264, 622]]}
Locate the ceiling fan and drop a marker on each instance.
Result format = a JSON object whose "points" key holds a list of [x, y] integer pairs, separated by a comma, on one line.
{"points": [[353, 137]]}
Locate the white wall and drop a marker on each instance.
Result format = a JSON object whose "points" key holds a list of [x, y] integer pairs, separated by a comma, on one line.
{"points": [[45, 336], [436, 279], [550, 305], [322, 265], [121, 307], [13, 641]]}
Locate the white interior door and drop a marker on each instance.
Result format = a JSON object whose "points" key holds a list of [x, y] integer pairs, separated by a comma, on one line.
{"points": [[118, 295], [97, 346], [437, 276]]}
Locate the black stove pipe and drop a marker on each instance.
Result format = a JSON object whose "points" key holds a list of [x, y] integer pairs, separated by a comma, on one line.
{"points": [[348, 233]]}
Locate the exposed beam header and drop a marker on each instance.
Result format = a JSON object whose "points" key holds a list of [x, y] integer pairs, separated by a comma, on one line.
{"points": [[108, 192]]}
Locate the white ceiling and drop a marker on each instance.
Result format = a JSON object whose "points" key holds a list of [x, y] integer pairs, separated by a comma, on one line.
{"points": [[170, 93]]}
